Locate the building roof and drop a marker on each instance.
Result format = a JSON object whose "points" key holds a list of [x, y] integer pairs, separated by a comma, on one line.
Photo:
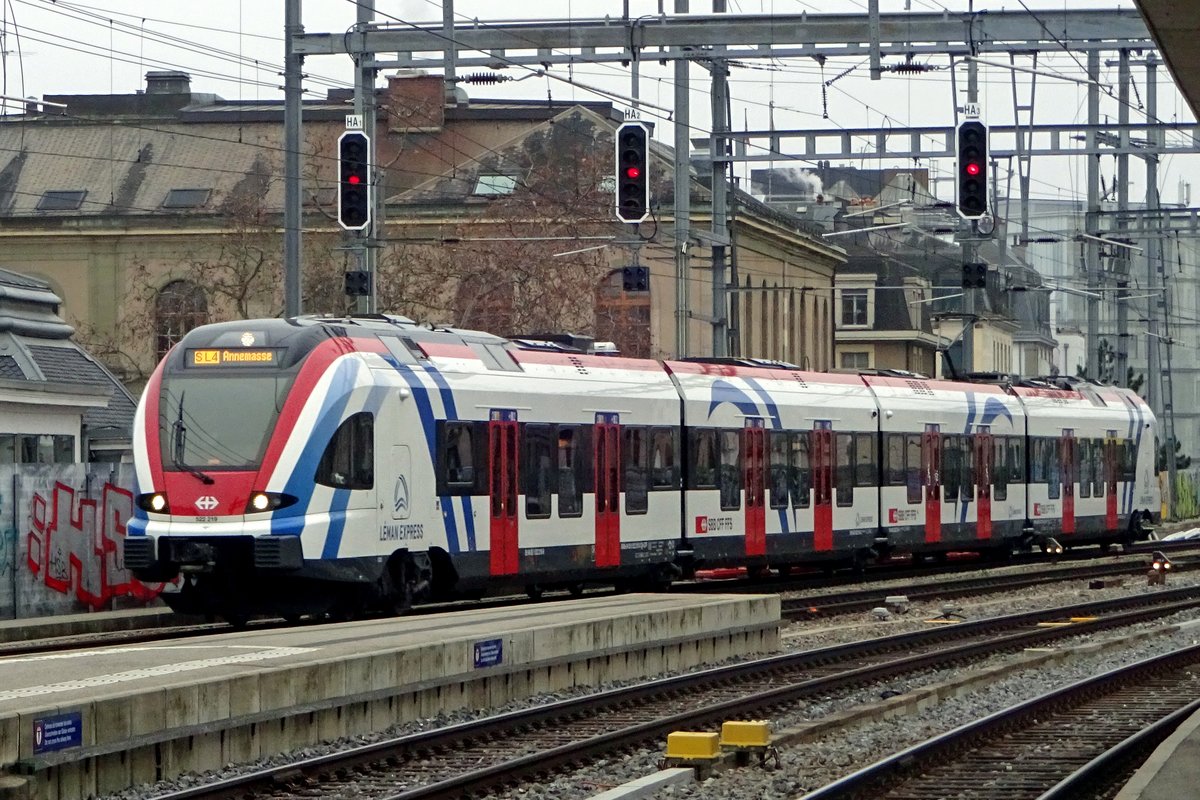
{"points": [[38, 350], [138, 154]]}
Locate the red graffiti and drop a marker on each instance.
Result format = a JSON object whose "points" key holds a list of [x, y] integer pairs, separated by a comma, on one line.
{"points": [[82, 554]]}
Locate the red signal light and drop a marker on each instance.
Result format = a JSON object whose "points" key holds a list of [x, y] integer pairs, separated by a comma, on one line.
{"points": [[353, 179], [633, 172], [972, 169]]}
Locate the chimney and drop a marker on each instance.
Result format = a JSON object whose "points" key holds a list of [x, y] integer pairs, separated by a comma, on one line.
{"points": [[415, 102], [168, 82]]}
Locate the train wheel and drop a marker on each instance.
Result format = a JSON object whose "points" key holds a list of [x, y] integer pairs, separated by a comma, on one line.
{"points": [[534, 591], [576, 589]]}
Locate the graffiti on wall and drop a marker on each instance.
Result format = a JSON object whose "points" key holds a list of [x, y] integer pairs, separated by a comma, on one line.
{"points": [[72, 545]]}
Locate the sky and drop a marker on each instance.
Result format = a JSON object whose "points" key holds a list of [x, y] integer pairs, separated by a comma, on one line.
{"points": [[234, 48]]}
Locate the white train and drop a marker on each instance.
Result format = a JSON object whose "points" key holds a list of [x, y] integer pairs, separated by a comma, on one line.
{"points": [[320, 465]]}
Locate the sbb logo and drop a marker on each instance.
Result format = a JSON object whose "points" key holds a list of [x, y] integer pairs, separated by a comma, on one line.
{"points": [[701, 524]]}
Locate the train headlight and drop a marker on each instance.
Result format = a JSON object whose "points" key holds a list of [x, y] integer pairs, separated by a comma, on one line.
{"points": [[155, 501], [269, 501]]}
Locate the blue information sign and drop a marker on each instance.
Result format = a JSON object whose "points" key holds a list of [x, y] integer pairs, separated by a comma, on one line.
{"points": [[489, 653], [58, 732]]}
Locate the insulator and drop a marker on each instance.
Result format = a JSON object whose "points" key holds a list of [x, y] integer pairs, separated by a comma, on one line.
{"points": [[485, 77]]}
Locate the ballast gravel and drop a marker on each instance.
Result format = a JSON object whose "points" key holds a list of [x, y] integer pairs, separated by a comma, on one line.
{"points": [[816, 763]]}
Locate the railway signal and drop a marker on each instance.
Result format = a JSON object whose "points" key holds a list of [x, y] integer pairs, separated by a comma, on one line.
{"points": [[635, 279], [971, 184], [974, 276], [633, 172], [358, 283], [354, 180]]}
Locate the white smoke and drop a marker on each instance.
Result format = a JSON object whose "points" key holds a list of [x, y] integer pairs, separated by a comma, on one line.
{"points": [[811, 182]]}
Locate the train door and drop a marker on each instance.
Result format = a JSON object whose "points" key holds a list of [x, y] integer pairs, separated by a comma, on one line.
{"points": [[502, 490], [983, 483], [607, 460], [1111, 450], [821, 453], [1067, 455], [931, 469], [754, 484]]}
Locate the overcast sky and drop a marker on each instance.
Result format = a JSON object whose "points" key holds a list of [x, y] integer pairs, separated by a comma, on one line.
{"points": [[234, 48]]}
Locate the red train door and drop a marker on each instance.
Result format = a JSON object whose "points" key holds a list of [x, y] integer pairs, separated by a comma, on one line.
{"points": [[754, 483], [1068, 470], [821, 453], [502, 488], [1110, 478], [607, 459], [983, 484], [931, 468]]}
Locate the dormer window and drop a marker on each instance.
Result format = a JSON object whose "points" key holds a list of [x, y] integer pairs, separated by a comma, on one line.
{"points": [[186, 198], [494, 185], [61, 200]]}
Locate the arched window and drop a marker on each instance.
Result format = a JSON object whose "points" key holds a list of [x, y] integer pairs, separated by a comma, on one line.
{"points": [[179, 307]]}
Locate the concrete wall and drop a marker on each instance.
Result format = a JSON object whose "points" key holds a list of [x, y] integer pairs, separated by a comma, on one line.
{"points": [[60, 532]]}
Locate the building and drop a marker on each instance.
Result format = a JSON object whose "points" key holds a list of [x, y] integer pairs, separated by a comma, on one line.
{"points": [[152, 212], [57, 403]]}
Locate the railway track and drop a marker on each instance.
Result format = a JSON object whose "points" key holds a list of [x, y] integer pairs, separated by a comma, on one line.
{"points": [[848, 602], [1071, 744], [853, 600], [480, 756]]}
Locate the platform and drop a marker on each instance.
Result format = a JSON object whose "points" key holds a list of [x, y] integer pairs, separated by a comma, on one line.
{"points": [[97, 721], [24, 629], [1173, 770]]}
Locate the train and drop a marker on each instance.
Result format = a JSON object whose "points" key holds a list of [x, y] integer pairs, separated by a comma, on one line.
{"points": [[363, 464]]}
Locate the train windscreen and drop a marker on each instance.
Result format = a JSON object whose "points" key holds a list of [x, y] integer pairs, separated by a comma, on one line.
{"points": [[210, 422]]}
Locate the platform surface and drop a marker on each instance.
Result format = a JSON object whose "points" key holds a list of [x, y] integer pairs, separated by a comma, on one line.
{"points": [[86, 675], [1173, 771]]}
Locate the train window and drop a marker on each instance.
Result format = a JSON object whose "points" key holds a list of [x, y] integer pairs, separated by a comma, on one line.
{"points": [[800, 473], [779, 468], [1052, 453], [349, 459], [1016, 459], [1000, 468], [865, 471], [458, 463], [662, 459], [1128, 460], [635, 457], [538, 468], [844, 455], [570, 472], [913, 473], [894, 459], [729, 476], [951, 467], [1037, 462], [703, 472], [966, 486], [1098, 467], [1083, 452]]}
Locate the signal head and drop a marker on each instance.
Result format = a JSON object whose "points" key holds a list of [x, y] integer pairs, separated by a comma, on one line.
{"points": [[632, 175], [971, 199]]}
